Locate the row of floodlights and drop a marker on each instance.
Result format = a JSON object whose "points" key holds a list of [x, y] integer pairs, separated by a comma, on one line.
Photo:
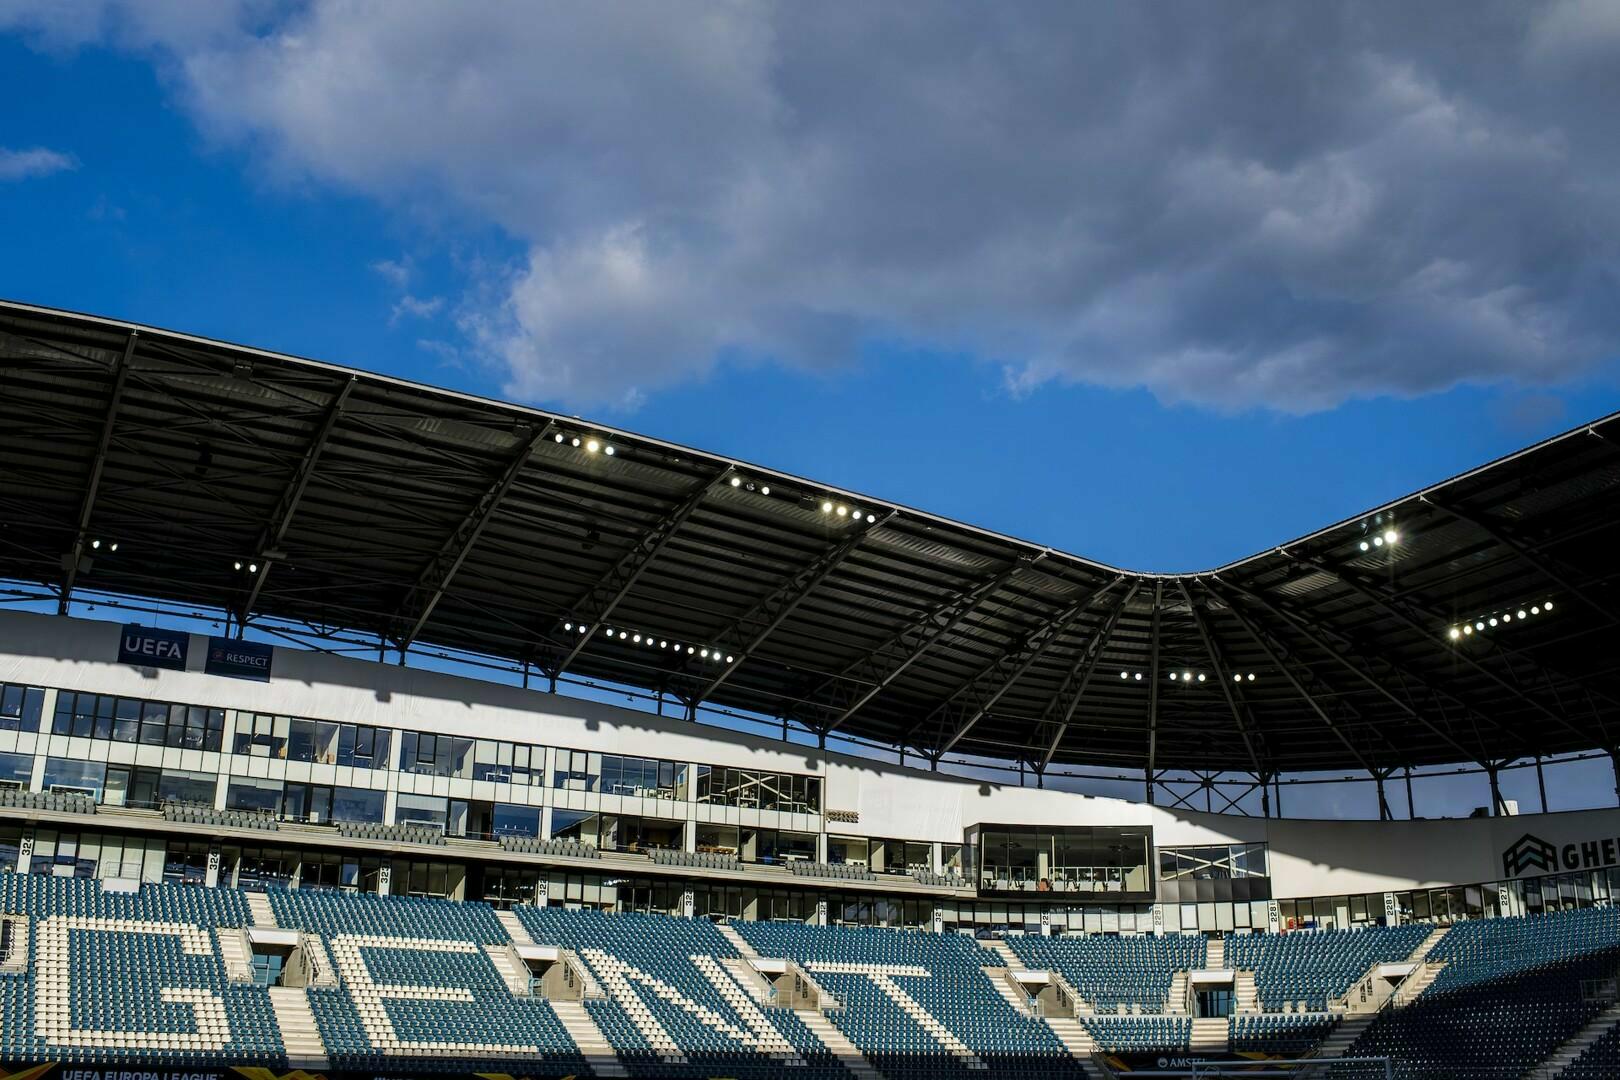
{"points": [[1189, 676], [636, 637], [1387, 538], [250, 567], [590, 446], [111, 545], [597, 446], [1484, 622]]}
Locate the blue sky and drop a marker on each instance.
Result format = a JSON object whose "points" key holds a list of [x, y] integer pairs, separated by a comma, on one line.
{"points": [[1124, 394]]}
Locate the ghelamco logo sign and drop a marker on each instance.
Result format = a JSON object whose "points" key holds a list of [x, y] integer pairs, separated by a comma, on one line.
{"points": [[1531, 853]]}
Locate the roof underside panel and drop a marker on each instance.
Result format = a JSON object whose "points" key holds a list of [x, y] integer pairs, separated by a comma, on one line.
{"points": [[425, 517]]}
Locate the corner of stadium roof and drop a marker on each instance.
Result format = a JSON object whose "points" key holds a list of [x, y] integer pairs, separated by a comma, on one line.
{"points": [[1471, 622]]}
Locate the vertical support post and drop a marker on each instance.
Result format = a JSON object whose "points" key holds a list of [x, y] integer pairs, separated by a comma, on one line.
{"points": [[1411, 806], [1496, 791], [1614, 761], [1265, 795], [1383, 802], [1277, 779], [1541, 783]]}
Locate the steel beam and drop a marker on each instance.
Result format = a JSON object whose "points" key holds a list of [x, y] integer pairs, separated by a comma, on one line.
{"points": [[1528, 553], [1398, 609], [751, 629], [1286, 671], [436, 576], [1365, 676], [1006, 670], [599, 602], [1221, 675], [881, 666], [1080, 676], [269, 546], [98, 465]]}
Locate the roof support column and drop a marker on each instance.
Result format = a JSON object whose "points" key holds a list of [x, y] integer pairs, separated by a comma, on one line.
{"points": [[1153, 692], [1614, 760], [1491, 770], [1379, 777], [1541, 783], [1265, 793], [1411, 804]]}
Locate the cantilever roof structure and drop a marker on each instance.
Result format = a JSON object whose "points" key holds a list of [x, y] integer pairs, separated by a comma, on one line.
{"points": [[435, 518]]}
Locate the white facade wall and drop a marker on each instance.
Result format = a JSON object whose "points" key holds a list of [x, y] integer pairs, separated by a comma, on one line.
{"points": [[1308, 858]]}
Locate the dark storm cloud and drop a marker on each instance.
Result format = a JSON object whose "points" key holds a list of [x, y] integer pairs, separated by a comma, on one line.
{"points": [[1266, 204]]}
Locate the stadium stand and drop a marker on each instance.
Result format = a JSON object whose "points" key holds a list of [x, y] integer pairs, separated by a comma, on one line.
{"points": [[129, 977], [881, 977], [1508, 996], [1280, 1034], [1115, 974], [1308, 968], [647, 964]]}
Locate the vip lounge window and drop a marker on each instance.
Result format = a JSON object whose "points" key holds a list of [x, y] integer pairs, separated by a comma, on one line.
{"points": [[747, 788], [20, 707], [133, 720]]}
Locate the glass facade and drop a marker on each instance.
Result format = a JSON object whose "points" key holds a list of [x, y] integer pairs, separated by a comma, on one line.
{"points": [[1072, 859]]}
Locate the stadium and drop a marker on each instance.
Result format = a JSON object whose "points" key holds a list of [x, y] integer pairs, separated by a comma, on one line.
{"points": [[360, 728]]}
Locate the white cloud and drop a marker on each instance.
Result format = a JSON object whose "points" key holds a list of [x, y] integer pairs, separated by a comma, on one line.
{"points": [[27, 164], [1276, 205]]}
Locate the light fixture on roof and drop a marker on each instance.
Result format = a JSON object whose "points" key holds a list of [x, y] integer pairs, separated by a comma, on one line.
{"points": [[1251, 676], [1172, 676], [826, 507], [593, 446], [765, 490], [730, 658], [569, 627], [582, 628], [736, 481], [1237, 677], [1378, 541], [1455, 633], [609, 450], [662, 644], [1390, 536], [843, 511], [1468, 628], [1138, 676], [1365, 545], [557, 437], [1200, 676], [1124, 674], [95, 543], [576, 440]]}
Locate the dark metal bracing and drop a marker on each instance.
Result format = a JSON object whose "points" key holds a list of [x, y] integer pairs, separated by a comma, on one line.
{"points": [[425, 516]]}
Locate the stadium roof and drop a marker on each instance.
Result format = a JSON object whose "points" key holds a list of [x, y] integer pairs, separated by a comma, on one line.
{"points": [[437, 518]]}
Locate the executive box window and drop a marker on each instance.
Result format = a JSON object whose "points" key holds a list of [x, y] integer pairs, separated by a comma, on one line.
{"points": [[574, 771], [72, 775], [509, 763], [580, 825], [322, 803], [1076, 859], [133, 720], [186, 863], [778, 846], [16, 769], [247, 793], [1217, 863], [10, 847], [509, 820], [786, 792], [643, 777], [21, 707], [358, 745]]}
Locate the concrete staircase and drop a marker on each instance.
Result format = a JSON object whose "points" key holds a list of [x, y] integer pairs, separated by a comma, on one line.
{"points": [[998, 978], [236, 954], [749, 978], [298, 1031], [1217, 953], [1176, 1003], [1560, 1059], [259, 907], [1210, 1034], [1343, 1035], [737, 941], [514, 972], [588, 1037], [1078, 1041], [840, 1046], [1415, 983], [514, 928], [1245, 993]]}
